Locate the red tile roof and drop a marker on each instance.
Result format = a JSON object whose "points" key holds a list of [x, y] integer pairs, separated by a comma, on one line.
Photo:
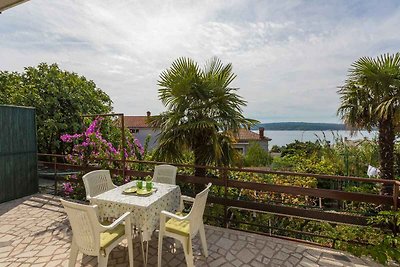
{"points": [[245, 134], [136, 122]]}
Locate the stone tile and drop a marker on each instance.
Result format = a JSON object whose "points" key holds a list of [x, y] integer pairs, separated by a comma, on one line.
{"points": [[308, 263], [237, 263], [268, 252], [225, 243], [276, 263], [27, 254], [230, 257], [329, 263], [245, 255], [281, 256], [293, 260], [238, 245], [218, 262], [266, 260], [256, 264]]}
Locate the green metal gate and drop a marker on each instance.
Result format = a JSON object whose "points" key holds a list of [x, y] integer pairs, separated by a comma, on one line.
{"points": [[18, 152]]}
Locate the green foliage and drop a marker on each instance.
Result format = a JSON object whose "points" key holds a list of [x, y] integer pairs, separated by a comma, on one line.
{"points": [[60, 98], [297, 147], [386, 247], [257, 156], [305, 164], [389, 220], [341, 158], [276, 149], [203, 113]]}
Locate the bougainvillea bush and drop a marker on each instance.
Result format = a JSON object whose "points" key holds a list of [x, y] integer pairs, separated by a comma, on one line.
{"points": [[91, 148]]}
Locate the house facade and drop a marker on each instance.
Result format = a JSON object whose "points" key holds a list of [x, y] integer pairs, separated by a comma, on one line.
{"points": [[245, 137], [138, 125]]}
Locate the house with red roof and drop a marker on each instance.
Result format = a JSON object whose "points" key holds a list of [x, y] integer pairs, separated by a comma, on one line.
{"points": [[245, 137], [139, 126]]}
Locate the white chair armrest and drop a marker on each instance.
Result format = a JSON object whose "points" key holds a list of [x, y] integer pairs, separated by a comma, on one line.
{"points": [[165, 213], [117, 222]]}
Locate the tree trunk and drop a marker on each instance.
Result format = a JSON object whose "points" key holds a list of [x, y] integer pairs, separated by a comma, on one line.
{"points": [[386, 153], [199, 172]]}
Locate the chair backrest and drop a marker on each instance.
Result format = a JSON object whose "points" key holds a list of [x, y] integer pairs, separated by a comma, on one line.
{"points": [[84, 222], [165, 174], [197, 211], [97, 182]]}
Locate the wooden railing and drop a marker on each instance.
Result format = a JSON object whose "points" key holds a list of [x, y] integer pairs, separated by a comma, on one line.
{"points": [[226, 182]]}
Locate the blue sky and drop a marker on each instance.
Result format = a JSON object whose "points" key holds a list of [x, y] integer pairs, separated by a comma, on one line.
{"points": [[289, 56]]}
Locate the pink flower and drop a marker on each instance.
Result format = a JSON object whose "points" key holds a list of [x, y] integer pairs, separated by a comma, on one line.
{"points": [[67, 138], [93, 127], [68, 188]]}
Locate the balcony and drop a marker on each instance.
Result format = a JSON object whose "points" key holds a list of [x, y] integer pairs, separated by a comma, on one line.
{"points": [[34, 231]]}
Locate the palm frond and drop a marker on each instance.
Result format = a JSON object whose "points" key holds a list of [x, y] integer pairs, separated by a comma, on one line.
{"points": [[372, 92]]}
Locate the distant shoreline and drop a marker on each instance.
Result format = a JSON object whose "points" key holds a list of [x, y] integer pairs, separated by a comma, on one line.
{"points": [[301, 126], [282, 138], [308, 130]]}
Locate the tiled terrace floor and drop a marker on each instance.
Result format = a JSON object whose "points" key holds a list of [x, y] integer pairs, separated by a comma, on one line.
{"points": [[34, 231]]}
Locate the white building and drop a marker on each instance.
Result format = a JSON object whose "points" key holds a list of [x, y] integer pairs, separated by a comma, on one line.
{"points": [[246, 137], [138, 125]]}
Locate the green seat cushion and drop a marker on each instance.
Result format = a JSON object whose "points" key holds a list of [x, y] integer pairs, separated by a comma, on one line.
{"points": [[178, 227], [108, 237]]}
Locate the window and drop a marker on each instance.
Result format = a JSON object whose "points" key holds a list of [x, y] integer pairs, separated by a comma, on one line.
{"points": [[133, 130]]}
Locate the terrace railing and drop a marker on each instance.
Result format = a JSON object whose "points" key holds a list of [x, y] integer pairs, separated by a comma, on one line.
{"points": [[230, 188]]}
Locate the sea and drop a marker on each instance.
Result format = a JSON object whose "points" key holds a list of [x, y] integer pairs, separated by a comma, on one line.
{"points": [[281, 138]]}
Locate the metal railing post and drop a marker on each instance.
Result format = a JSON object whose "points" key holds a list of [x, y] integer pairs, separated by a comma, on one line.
{"points": [[123, 145], [55, 176], [225, 179], [395, 195]]}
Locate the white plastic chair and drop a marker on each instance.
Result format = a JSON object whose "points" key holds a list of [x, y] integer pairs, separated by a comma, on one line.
{"points": [[97, 182], [184, 227], [92, 238], [165, 174]]}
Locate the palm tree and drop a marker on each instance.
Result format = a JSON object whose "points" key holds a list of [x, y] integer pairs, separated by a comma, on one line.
{"points": [[203, 113], [370, 98]]}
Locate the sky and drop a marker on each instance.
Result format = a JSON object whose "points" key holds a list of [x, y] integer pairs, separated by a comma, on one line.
{"points": [[289, 56]]}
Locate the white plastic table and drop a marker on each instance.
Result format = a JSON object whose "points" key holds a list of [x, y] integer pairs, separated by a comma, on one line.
{"points": [[145, 210]]}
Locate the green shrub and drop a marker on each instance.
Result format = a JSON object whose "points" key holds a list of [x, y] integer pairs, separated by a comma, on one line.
{"points": [[257, 156]]}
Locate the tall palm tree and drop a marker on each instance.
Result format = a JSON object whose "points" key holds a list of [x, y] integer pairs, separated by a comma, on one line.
{"points": [[203, 113], [370, 98]]}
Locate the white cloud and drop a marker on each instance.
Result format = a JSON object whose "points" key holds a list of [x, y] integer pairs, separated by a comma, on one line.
{"points": [[289, 56]]}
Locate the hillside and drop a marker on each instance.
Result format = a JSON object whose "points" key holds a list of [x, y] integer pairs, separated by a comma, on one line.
{"points": [[301, 126]]}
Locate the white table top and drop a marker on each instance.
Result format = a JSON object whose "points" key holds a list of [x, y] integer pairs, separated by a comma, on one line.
{"points": [[117, 195], [145, 210]]}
